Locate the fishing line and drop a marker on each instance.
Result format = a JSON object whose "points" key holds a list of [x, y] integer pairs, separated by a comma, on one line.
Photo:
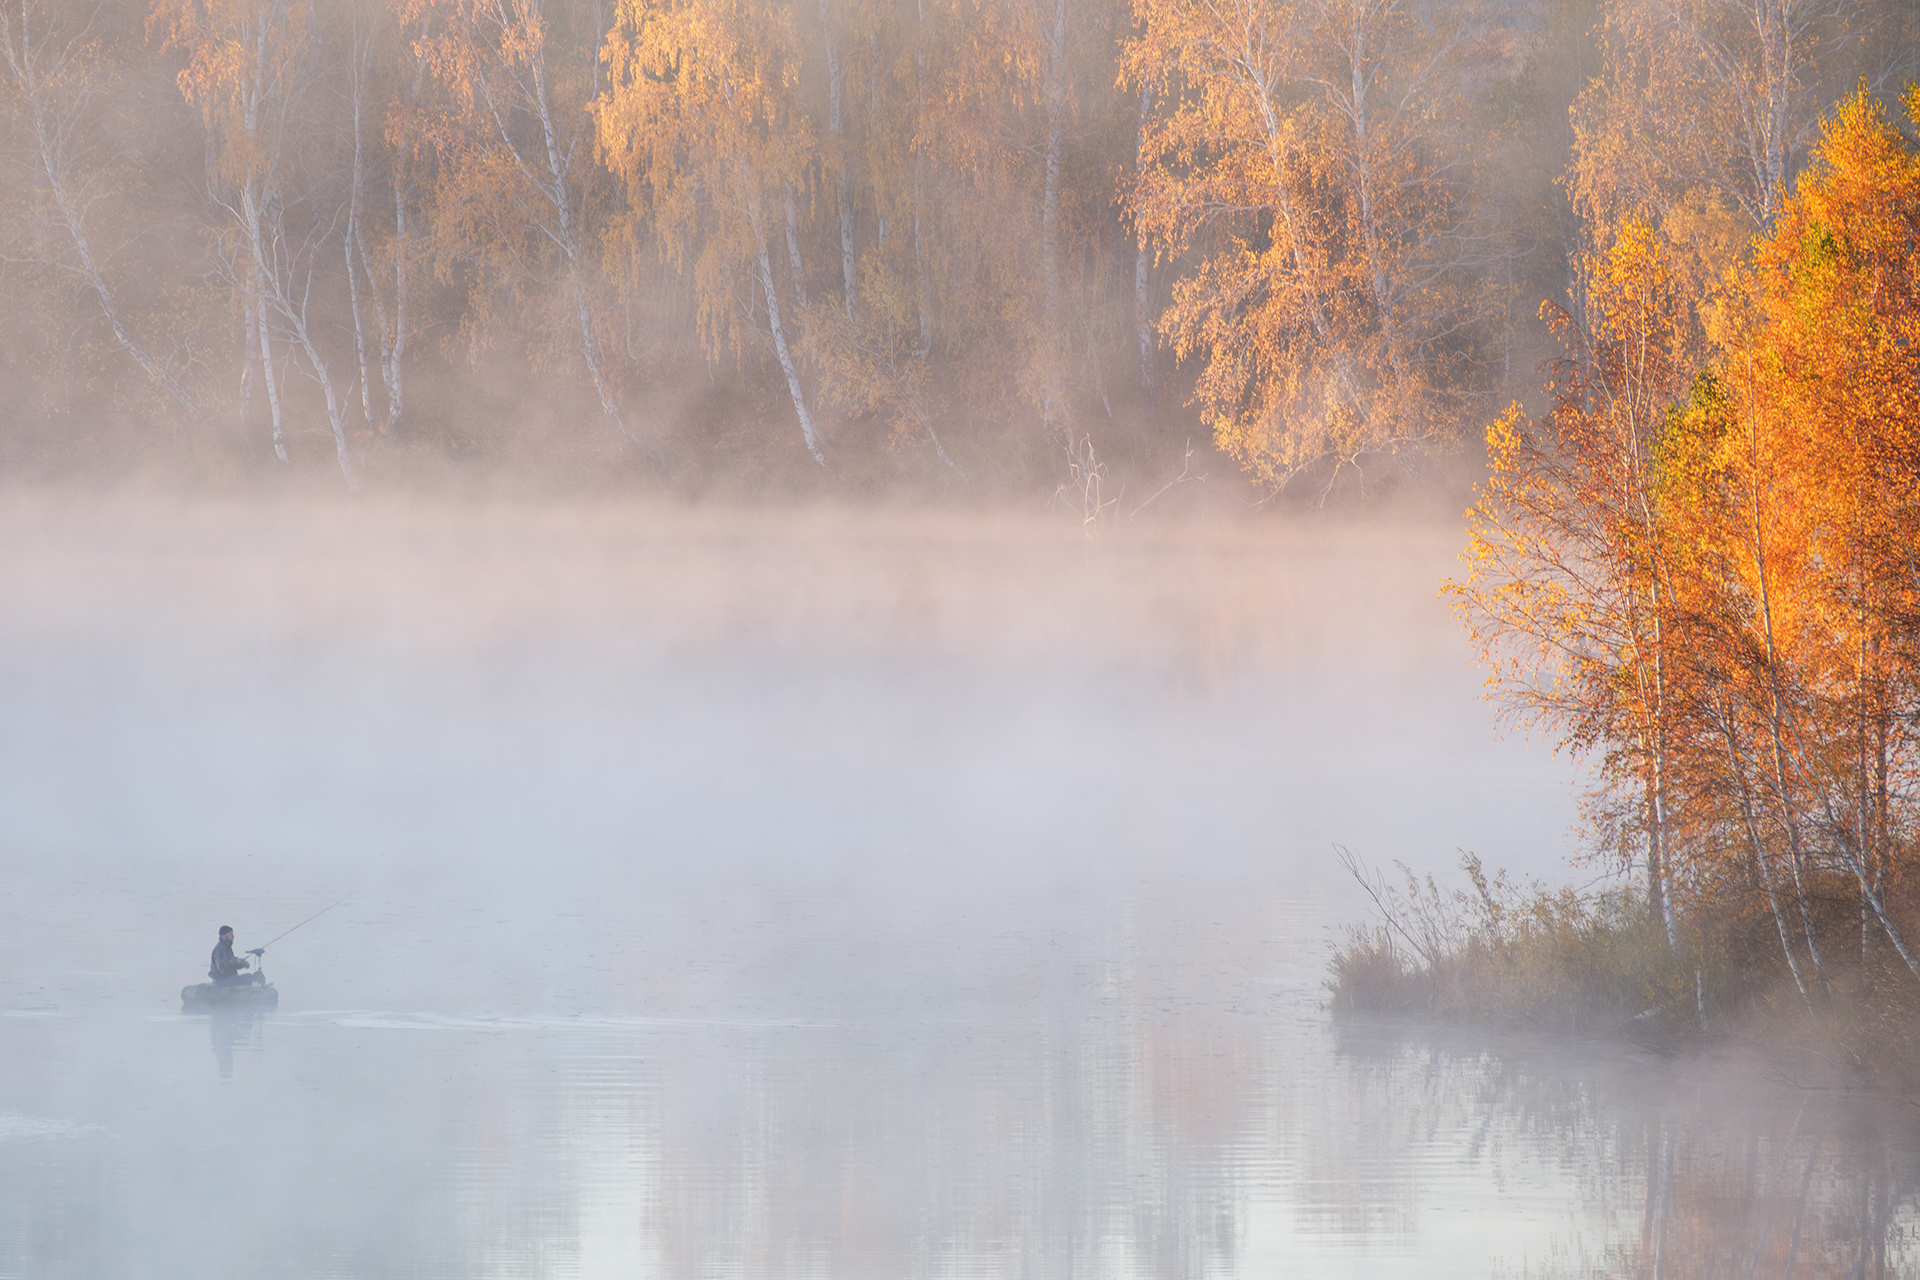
{"points": [[254, 951]]}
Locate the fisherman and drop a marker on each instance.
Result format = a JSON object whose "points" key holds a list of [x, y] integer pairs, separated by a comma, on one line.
{"points": [[226, 966]]}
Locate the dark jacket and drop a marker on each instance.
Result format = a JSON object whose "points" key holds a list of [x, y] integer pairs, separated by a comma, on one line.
{"points": [[225, 963]]}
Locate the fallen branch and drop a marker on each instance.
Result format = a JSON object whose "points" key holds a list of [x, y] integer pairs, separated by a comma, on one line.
{"points": [[1186, 474]]}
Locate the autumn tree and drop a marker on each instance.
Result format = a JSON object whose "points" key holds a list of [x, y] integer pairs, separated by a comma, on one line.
{"points": [[1735, 544], [1802, 456], [1712, 584], [518, 190], [1308, 161], [870, 332], [385, 77], [702, 123], [57, 74], [1018, 115], [1702, 113], [1037, 50], [1705, 99], [1569, 568], [253, 72]]}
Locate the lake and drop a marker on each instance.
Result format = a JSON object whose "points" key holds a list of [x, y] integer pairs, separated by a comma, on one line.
{"points": [[804, 892]]}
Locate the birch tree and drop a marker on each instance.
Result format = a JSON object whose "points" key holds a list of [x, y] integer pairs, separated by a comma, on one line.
{"points": [[57, 72], [1306, 162], [394, 256], [1708, 101], [1715, 589], [385, 73], [1803, 457], [1569, 562], [702, 121], [1702, 113], [252, 71], [518, 187], [872, 341]]}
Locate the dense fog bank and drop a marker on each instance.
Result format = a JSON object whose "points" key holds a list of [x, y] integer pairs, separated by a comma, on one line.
{"points": [[888, 717]]}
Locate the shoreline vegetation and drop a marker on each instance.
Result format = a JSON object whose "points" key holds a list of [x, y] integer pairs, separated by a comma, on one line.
{"points": [[1597, 966], [1698, 569]]}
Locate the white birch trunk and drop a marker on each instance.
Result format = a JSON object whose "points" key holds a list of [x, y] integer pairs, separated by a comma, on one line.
{"points": [[336, 406], [923, 278], [381, 334], [1761, 860], [52, 154], [1782, 784], [395, 366], [557, 188], [275, 297], [771, 294], [393, 358], [249, 351], [258, 310]]}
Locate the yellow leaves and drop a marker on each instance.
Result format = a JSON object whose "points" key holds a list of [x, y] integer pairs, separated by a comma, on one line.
{"points": [[698, 87], [1634, 270], [238, 52], [1701, 569], [701, 120], [1833, 298], [727, 66], [1305, 160], [523, 32], [1505, 437]]}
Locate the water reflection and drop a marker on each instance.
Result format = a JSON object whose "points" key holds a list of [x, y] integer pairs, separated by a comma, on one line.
{"points": [[227, 1028], [1829, 1190], [1129, 1117], [1724, 1165]]}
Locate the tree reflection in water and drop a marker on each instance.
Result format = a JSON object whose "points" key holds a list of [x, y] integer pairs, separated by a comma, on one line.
{"points": [[1736, 1164]]}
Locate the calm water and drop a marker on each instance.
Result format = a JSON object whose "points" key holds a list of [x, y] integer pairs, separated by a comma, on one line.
{"points": [[801, 894]]}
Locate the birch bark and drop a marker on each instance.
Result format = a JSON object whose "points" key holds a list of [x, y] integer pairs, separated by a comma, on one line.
{"points": [[41, 63]]}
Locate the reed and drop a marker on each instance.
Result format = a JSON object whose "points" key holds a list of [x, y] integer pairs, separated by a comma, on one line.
{"points": [[1599, 964], [1503, 954]]}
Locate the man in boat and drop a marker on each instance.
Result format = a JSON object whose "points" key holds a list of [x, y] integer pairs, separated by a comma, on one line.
{"points": [[226, 967]]}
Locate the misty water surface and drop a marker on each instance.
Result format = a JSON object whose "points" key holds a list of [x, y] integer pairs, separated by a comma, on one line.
{"points": [[795, 893]]}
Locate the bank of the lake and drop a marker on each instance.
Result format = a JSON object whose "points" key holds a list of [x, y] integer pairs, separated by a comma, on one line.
{"points": [[1602, 966]]}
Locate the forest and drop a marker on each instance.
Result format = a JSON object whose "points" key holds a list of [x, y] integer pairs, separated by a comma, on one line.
{"points": [[964, 245], [991, 246]]}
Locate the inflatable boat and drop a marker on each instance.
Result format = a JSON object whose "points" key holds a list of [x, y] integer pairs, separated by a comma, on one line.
{"points": [[203, 996]]}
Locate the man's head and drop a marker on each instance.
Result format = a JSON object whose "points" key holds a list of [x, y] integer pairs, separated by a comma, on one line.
{"points": [[226, 933]]}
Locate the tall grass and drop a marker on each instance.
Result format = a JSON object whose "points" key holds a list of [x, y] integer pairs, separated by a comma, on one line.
{"points": [[1505, 955], [1599, 964]]}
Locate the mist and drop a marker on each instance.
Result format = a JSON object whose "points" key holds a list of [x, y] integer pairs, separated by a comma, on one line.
{"points": [[658, 787], [761, 892], [783, 619], [880, 718]]}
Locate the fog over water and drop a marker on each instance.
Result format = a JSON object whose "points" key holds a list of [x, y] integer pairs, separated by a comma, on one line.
{"points": [[793, 892]]}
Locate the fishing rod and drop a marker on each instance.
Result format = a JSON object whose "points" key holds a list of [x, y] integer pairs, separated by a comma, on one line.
{"points": [[262, 949]]}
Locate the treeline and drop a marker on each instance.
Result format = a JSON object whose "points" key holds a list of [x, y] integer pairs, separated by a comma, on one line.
{"points": [[1702, 562], [948, 237]]}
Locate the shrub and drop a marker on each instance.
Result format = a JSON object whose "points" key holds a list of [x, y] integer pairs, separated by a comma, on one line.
{"points": [[1505, 955]]}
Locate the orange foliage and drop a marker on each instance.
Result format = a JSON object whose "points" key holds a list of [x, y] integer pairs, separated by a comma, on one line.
{"points": [[1714, 584], [1308, 162]]}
